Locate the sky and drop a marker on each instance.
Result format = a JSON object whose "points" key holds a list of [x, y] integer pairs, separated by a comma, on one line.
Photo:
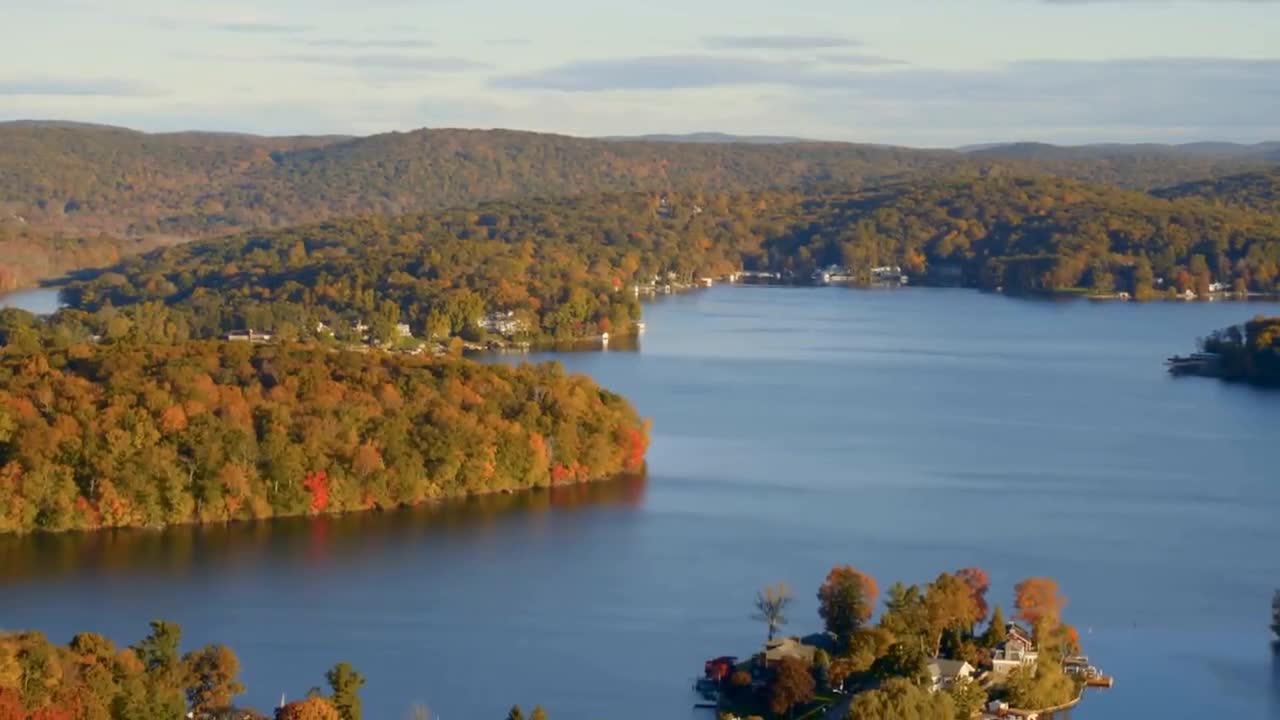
{"points": [[935, 73]]}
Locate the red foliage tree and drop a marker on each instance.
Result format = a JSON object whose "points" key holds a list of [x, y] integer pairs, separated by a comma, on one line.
{"points": [[1038, 599], [637, 444], [979, 583], [317, 483], [11, 707]]}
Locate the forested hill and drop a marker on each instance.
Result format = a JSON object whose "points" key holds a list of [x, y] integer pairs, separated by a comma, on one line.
{"points": [[134, 434], [1256, 190], [564, 267], [77, 178], [193, 184]]}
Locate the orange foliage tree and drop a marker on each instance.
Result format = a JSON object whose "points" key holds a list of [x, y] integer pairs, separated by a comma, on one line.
{"points": [[1038, 599], [314, 708], [979, 583], [846, 599]]}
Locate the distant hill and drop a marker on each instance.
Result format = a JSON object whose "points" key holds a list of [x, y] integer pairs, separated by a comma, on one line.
{"points": [[75, 181], [89, 179], [1047, 151], [709, 137], [1255, 191]]}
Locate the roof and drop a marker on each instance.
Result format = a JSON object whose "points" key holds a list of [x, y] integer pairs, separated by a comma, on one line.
{"points": [[783, 648], [942, 667]]}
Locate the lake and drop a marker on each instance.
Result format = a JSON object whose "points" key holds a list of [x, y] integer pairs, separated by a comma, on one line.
{"points": [[905, 432]]}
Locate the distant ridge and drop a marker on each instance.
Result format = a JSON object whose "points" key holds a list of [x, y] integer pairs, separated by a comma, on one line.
{"points": [[710, 138], [80, 178], [1040, 150]]}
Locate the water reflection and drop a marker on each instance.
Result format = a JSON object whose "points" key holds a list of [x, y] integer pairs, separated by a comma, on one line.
{"points": [[318, 541]]}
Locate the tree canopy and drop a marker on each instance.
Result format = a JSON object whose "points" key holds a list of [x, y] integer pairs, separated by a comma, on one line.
{"points": [[145, 435]]}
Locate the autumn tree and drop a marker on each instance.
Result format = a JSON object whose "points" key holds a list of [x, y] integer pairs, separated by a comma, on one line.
{"points": [[771, 605], [845, 600], [345, 684], [211, 674], [978, 583], [1038, 599], [968, 697], [791, 685], [949, 606], [538, 713], [899, 699], [314, 708]]}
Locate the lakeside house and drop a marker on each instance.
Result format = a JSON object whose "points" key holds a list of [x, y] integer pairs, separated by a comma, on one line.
{"points": [[1016, 651], [944, 673], [779, 649], [503, 323], [248, 336]]}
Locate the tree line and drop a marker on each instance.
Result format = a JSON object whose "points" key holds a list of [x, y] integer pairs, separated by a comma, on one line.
{"points": [[90, 678], [567, 268], [134, 434], [1249, 352], [112, 188]]}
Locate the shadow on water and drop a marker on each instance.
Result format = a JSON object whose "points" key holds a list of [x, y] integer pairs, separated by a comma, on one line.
{"points": [[326, 539], [1275, 679]]}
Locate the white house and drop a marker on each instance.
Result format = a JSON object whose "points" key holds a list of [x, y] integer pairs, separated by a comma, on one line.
{"points": [[944, 673], [1016, 650]]}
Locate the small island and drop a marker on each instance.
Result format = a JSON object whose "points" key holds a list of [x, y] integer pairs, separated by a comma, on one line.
{"points": [[1247, 353], [937, 649]]}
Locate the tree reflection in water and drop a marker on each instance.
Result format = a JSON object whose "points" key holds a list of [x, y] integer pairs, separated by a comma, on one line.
{"points": [[324, 540]]}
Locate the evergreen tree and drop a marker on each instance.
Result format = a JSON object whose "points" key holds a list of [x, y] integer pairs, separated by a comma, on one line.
{"points": [[515, 714], [346, 684], [996, 633]]}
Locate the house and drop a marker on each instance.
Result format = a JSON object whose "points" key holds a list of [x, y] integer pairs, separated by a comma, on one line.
{"points": [[403, 332], [779, 649], [1218, 287], [1016, 650], [503, 323], [832, 274], [944, 673], [248, 336]]}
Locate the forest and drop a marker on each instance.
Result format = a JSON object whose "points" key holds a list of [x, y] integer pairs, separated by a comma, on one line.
{"points": [[95, 178], [567, 268], [134, 434], [1250, 353]]}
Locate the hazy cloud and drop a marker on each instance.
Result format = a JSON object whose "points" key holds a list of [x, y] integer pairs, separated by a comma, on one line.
{"points": [[387, 61], [659, 72], [355, 44], [778, 42], [860, 60], [52, 87], [262, 28]]}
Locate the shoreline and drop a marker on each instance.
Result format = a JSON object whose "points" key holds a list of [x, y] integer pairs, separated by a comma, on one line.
{"points": [[640, 473]]}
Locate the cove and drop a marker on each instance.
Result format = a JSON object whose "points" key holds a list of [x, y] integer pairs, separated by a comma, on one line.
{"points": [[905, 432]]}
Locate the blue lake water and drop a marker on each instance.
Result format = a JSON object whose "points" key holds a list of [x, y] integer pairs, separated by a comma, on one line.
{"points": [[905, 432]]}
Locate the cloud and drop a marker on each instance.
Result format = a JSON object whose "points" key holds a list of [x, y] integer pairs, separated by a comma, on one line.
{"points": [[405, 44], [658, 72], [64, 87], [778, 42], [1197, 96], [860, 60], [261, 28], [386, 61]]}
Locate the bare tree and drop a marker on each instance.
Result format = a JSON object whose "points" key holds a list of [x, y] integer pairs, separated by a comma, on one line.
{"points": [[771, 606]]}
